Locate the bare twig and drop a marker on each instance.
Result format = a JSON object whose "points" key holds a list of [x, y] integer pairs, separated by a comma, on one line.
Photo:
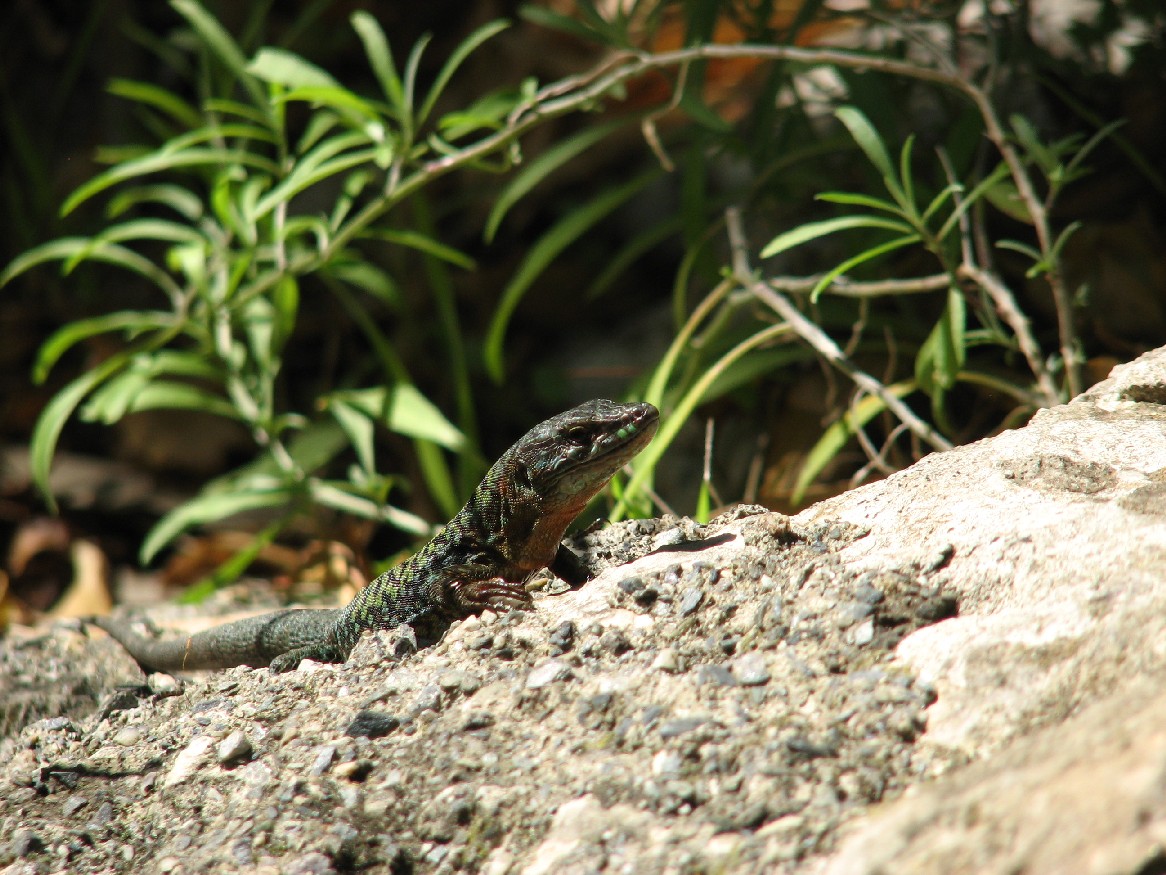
{"points": [[1001, 296], [846, 288], [576, 93], [822, 343], [1011, 313]]}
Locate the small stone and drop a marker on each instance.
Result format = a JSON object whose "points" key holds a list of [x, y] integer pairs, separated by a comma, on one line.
{"points": [[25, 843], [324, 757], [666, 764], [937, 607], [563, 638], [354, 770], [449, 681], [666, 660], [429, 699], [73, 804], [615, 642], [234, 748], [849, 613], [548, 673], [690, 601], [863, 633], [470, 624], [715, 674], [668, 538], [631, 585], [162, 684], [751, 669], [680, 726], [128, 736], [478, 720], [187, 760], [482, 641], [372, 724]]}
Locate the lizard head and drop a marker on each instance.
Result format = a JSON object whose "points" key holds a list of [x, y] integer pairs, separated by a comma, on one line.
{"points": [[538, 486], [572, 456]]}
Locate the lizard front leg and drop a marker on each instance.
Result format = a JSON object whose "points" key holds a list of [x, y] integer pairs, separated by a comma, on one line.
{"points": [[466, 597]]}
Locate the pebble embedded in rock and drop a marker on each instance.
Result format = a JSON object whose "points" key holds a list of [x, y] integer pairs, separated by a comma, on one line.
{"points": [[187, 760], [372, 724], [715, 674], [547, 673], [680, 726], [234, 748], [666, 660], [690, 601], [323, 760], [863, 633], [128, 736], [751, 669]]}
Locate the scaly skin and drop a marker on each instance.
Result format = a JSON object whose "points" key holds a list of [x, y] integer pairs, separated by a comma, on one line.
{"points": [[511, 527]]}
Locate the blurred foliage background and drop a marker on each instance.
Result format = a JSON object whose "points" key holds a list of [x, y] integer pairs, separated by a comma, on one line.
{"points": [[290, 274]]}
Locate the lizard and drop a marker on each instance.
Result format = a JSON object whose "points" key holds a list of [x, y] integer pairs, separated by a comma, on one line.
{"points": [[511, 527]]}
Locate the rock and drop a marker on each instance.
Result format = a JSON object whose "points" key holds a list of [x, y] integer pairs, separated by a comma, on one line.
{"points": [[956, 669]]}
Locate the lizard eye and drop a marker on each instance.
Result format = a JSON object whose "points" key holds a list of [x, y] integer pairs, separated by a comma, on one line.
{"points": [[577, 433]]}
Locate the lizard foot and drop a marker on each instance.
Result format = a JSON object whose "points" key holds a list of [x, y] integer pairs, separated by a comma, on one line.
{"points": [[477, 595], [291, 659]]}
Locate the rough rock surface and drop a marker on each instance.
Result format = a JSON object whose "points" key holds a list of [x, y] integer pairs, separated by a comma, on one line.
{"points": [[954, 670]]}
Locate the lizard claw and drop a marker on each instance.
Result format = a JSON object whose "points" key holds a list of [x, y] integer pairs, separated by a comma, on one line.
{"points": [[478, 595]]}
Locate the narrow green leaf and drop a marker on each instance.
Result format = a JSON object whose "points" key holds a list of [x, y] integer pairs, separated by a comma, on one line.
{"points": [[66, 248], [369, 278], [423, 243], [557, 238], [403, 409], [488, 112], [284, 67], [183, 201], [67, 336], [969, 200], [409, 80], [223, 46], [542, 167], [862, 257], [455, 60], [337, 496], [157, 162], [557, 21], [1022, 248], [258, 318], [861, 200], [152, 95], [325, 160], [813, 230], [1026, 134], [939, 200], [943, 353], [210, 507], [285, 297], [352, 106], [872, 145], [380, 58], [52, 420], [150, 229], [839, 433], [905, 176], [132, 392], [225, 106], [360, 430]]}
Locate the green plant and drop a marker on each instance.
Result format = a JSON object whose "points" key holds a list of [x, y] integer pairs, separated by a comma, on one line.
{"points": [[213, 220], [219, 220]]}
